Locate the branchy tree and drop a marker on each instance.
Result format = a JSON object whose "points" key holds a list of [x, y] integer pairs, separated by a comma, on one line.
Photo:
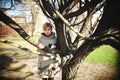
{"points": [[81, 26]]}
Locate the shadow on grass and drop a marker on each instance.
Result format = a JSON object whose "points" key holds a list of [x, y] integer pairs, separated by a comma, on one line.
{"points": [[5, 61], [5, 73], [17, 45]]}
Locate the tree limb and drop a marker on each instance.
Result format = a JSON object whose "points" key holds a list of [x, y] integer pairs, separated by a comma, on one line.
{"points": [[87, 6]]}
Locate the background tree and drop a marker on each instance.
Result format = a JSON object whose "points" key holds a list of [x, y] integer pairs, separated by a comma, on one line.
{"points": [[24, 14], [75, 18]]}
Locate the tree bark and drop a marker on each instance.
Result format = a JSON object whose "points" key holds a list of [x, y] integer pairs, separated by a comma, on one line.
{"points": [[61, 36]]}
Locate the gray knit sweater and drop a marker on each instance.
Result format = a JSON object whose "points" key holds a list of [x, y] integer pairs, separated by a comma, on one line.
{"points": [[47, 40]]}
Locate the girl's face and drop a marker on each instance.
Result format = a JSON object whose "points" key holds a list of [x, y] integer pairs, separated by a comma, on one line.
{"points": [[47, 31]]}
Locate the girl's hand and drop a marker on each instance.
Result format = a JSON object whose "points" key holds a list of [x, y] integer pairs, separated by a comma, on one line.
{"points": [[53, 46], [41, 46]]}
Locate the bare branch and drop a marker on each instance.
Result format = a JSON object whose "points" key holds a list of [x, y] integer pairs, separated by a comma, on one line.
{"points": [[93, 27], [44, 7], [71, 6], [66, 5], [87, 6]]}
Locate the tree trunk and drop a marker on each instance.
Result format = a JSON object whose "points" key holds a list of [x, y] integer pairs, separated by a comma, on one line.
{"points": [[108, 32], [61, 36]]}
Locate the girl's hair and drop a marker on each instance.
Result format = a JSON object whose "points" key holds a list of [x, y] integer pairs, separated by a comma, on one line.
{"points": [[46, 25]]}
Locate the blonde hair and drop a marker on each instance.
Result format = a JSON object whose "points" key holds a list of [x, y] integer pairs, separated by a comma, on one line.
{"points": [[46, 25]]}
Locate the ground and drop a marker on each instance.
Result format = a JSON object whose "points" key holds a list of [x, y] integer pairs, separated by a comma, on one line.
{"points": [[19, 61], [97, 71]]}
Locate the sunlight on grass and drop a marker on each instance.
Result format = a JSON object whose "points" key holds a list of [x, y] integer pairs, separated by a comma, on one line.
{"points": [[15, 39], [21, 42], [36, 37], [104, 54]]}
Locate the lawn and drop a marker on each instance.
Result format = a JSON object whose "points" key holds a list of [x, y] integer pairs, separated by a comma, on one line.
{"points": [[20, 41], [104, 54]]}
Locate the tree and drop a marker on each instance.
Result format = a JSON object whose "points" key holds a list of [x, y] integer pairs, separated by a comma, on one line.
{"points": [[75, 17], [66, 14], [24, 14]]}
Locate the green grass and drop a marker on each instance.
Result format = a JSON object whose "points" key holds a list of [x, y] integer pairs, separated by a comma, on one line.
{"points": [[20, 38], [104, 54], [20, 41], [16, 39]]}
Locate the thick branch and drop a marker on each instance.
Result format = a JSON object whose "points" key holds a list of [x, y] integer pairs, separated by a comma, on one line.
{"points": [[66, 22]]}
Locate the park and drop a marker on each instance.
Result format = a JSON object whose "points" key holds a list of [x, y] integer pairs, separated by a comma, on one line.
{"points": [[88, 39]]}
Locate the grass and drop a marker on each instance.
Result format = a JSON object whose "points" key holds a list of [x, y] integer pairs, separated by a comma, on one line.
{"points": [[104, 54], [20, 41], [12, 47], [20, 38]]}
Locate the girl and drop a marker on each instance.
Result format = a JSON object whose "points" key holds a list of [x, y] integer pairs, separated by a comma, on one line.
{"points": [[48, 41]]}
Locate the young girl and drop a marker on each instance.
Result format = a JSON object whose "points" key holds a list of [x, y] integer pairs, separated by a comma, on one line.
{"points": [[48, 41]]}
